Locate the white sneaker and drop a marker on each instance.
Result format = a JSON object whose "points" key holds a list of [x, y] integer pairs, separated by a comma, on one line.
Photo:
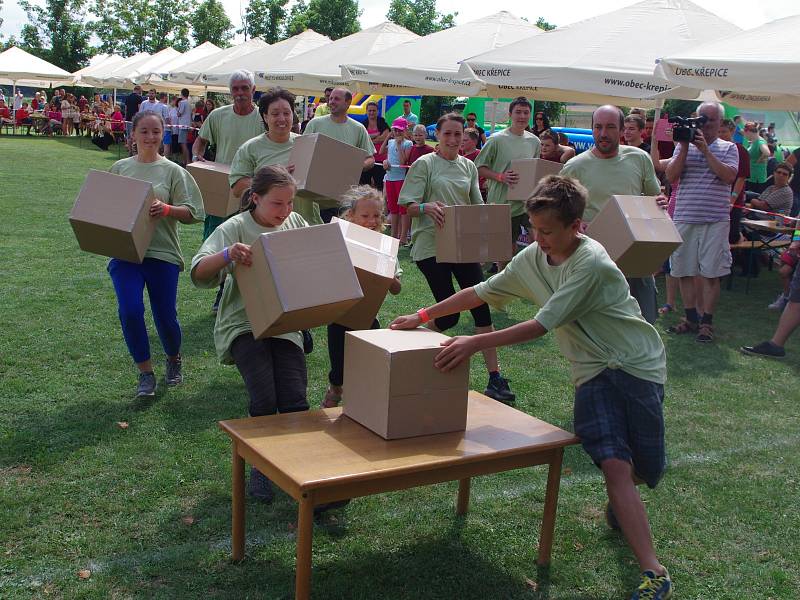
{"points": [[780, 302]]}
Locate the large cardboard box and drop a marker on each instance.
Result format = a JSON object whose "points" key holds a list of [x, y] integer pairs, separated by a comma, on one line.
{"points": [[111, 216], [531, 171], [475, 233], [212, 179], [299, 279], [392, 387], [637, 234], [325, 168], [374, 257]]}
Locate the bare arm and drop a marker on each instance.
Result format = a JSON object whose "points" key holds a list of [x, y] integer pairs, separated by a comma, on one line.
{"points": [[675, 166], [460, 301], [210, 266], [240, 186], [368, 163], [199, 148]]}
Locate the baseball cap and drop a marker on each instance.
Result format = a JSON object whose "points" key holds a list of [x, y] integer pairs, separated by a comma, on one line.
{"points": [[400, 123]]}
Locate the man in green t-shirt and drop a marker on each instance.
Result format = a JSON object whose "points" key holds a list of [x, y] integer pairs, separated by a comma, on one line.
{"points": [[227, 128], [610, 169], [341, 127], [617, 358], [495, 159]]}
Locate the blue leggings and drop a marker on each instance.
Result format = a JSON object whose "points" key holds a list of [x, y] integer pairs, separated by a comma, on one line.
{"points": [[161, 279]]}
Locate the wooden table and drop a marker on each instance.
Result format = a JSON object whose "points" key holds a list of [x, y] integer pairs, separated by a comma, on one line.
{"points": [[322, 456]]}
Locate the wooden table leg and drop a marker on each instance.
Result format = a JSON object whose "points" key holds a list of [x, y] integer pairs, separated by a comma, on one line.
{"points": [[462, 506], [305, 529], [237, 533], [550, 504]]}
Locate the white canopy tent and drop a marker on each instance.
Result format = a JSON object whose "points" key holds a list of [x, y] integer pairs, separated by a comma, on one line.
{"points": [[18, 68], [313, 71], [430, 65], [138, 73], [97, 77], [190, 72], [101, 61], [158, 77], [758, 68], [608, 58], [258, 60]]}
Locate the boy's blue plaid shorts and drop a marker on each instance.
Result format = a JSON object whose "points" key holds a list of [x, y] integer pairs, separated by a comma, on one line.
{"points": [[621, 416]]}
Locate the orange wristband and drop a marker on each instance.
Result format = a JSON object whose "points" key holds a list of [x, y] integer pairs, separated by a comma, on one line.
{"points": [[166, 210], [423, 315]]}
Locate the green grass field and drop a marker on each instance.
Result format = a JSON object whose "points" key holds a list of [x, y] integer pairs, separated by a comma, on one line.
{"points": [[147, 509]]}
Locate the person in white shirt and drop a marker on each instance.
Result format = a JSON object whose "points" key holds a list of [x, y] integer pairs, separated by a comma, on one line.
{"points": [[184, 121], [18, 100], [151, 104]]}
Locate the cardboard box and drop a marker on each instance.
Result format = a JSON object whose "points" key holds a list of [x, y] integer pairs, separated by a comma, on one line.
{"points": [[212, 179], [392, 387], [111, 216], [299, 279], [637, 234], [325, 168], [374, 257], [530, 170], [475, 233]]}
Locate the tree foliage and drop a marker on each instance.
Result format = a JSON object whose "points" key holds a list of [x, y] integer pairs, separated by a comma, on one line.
{"points": [[210, 23], [265, 19], [419, 16], [129, 26], [541, 23], [334, 18], [56, 32]]}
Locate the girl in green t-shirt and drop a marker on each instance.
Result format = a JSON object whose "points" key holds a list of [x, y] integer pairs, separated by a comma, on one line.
{"points": [[177, 200], [274, 368], [759, 157], [364, 208]]}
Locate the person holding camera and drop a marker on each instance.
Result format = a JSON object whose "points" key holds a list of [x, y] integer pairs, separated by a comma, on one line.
{"points": [[704, 166]]}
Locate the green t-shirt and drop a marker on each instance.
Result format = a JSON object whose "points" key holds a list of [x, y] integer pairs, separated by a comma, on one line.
{"points": [[322, 109], [758, 170], [435, 179], [350, 132], [232, 318], [586, 302], [173, 185], [498, 152], [228, 131], [629, 173], [261, 152]]}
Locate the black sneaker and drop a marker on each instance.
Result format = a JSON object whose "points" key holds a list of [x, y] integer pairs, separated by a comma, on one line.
{"points": [[215, 306], [611, 518], [498, 389], [147, 385], [174, 376], [260, 487], [764, 349]]}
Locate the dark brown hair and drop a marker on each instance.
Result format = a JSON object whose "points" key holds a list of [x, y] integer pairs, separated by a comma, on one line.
{"points": [[273, 95], [264, 180], [565, 196], [451, 116], [636, 120]]}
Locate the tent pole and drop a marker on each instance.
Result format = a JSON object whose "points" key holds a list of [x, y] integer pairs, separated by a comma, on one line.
{"points": [[654, 155], [13, 112]]}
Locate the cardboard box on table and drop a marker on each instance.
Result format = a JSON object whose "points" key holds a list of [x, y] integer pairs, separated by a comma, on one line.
{"points": [[325, 168], [475, 233], [637, 234], [299, 279], [111, 216], [374, 257], [531, 171], [212, 179], [392, 387]]}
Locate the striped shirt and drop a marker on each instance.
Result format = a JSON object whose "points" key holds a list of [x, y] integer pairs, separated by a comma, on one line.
{"points": [[702, 196]]}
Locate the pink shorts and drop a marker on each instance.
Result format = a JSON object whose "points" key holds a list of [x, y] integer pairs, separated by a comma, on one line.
{"points": [[392, 191]]}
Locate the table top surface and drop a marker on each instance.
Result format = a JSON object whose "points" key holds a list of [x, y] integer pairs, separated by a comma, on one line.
{"points": [[767, 226], [323, 447]]}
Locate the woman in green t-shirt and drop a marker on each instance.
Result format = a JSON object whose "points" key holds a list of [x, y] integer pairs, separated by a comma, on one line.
{"points": [[274, 368], [759, 157], [436, 180], [177, 199]]}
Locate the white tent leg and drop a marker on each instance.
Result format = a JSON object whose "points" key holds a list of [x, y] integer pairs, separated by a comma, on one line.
{"points": [[654, 155], [13, 112]]}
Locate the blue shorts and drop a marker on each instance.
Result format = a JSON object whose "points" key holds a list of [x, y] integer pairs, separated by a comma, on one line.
{"points": [[621, 416]]}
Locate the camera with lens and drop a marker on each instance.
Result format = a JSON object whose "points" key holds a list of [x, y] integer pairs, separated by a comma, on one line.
{"points": [[685, 128]]}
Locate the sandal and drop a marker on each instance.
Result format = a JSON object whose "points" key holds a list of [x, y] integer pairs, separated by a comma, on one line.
{"points": [[332, 399], [684, 326], [706, 333], [667, 308]]}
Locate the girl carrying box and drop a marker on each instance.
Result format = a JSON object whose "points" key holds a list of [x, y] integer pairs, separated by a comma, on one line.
{"points": [[434, 181], [273, 369], [364, 208], [177, 199]]}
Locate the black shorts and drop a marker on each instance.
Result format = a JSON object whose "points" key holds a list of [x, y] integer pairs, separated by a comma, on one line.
{"points": [[440, 280]]}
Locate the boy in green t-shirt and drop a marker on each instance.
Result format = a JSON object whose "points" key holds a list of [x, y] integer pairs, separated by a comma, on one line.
{"points": [[617, 358]]}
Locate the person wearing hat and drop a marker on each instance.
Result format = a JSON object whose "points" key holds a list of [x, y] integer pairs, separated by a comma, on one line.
{"points": [[396, 147]]}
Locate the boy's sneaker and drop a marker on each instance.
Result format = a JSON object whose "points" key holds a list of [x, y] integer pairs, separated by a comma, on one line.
{"points": [[147, 385], [260, 487], [498, 389], [764, 349], [174, 376], [654, 587], [780, 302]]}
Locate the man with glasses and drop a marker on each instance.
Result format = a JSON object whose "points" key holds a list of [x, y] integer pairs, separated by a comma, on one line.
{"points": [[472, 122]]}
